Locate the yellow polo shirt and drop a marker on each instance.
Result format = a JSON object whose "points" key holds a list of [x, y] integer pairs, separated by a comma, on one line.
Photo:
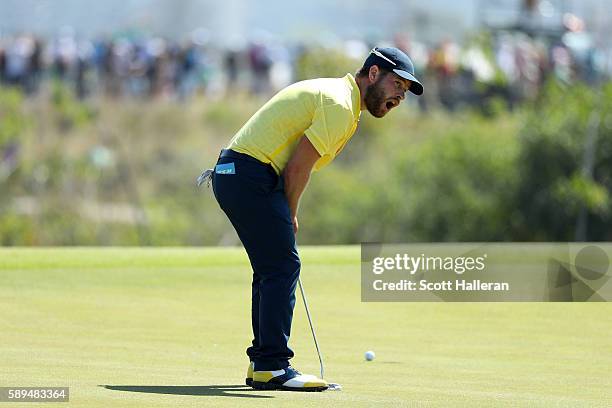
{"points": [[326, 110]]}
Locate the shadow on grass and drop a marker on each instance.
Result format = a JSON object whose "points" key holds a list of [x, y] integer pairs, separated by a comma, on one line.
{"points": [[208, 390]]}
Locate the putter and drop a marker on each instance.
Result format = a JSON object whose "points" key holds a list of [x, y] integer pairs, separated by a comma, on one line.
{"points": [[332, 386]]}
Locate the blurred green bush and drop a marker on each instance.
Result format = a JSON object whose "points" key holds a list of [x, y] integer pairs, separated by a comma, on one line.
{"points": [[321, 62], [565, 165]]}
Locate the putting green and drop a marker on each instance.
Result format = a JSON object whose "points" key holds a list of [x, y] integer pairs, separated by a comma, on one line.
{"points": [[168, 328]]}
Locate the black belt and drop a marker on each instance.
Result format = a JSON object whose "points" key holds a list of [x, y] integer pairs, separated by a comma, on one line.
{"points": [[206, 176], [232, 154]]}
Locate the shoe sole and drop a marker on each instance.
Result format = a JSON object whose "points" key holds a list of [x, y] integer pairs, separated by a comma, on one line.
{"points": [[266, 386]]}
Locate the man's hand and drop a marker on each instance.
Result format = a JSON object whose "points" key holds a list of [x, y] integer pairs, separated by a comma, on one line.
{"points": [[295, 225], [297, 174]]}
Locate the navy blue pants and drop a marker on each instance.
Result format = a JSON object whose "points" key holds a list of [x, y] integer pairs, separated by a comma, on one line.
{"points": [[252, 196]]}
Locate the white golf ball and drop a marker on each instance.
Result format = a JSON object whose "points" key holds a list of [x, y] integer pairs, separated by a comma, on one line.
{"points": [[369, 355]]}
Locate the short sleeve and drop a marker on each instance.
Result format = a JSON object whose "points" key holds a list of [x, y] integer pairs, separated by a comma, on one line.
{"points": [[329, 125]]}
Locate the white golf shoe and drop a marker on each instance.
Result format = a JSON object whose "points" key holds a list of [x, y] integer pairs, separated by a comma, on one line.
{"points": [[288, 379]]}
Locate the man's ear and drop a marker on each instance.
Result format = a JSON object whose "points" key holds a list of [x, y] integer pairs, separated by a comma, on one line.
{"points": [[373, 73]]}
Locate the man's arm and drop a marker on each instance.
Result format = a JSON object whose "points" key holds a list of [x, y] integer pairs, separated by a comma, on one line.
{"points": [[297, 174]]}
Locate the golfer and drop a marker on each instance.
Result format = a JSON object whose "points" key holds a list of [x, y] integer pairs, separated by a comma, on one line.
{"points": [[261, 175]]}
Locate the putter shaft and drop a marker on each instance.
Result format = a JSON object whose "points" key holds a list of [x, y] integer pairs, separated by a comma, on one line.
{"points": [[314, 336]]}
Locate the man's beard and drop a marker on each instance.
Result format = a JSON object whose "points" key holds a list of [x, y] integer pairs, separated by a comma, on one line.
{"points": [[374, 98]]}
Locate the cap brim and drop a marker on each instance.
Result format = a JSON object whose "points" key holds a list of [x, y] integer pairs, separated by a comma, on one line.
{"points": [[415, 87]]}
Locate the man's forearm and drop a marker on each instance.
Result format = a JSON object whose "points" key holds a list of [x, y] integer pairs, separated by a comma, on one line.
{"points": [[296, 181], [297, 173]]}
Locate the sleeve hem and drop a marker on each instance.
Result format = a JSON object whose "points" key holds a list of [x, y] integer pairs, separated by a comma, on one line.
{"points": [[316, 142]]}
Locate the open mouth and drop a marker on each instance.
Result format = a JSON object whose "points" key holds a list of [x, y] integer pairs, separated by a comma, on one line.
{"points": [[391, 103]]}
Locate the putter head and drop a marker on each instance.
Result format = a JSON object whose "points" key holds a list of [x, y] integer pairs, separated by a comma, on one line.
{"points": [[334, 387]]}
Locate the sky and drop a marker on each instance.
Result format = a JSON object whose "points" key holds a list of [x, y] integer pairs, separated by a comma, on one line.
{"points": [[233, 19]]}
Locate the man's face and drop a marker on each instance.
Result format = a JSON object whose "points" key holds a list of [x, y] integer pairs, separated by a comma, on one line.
{"points": [[385, 92]]}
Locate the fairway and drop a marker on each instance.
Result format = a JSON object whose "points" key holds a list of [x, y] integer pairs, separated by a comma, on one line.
{"points": [[169, 328]]}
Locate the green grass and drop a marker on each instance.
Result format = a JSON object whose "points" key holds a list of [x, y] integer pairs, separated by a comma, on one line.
{"points": [[87, 317]]}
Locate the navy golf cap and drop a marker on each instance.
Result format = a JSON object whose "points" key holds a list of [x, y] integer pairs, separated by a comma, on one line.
{"points": [[395, 60]]}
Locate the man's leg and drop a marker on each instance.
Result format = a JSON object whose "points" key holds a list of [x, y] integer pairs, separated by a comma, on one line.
{"points": [[257, 207], [279, 269], [253, 351]]}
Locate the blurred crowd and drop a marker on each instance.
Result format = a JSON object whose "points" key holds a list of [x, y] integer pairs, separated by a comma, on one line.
{"points": [[513, 66], [509, 65]]}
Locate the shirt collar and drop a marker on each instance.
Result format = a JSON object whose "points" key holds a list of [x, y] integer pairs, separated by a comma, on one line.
{"points": [[355, 95]]}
